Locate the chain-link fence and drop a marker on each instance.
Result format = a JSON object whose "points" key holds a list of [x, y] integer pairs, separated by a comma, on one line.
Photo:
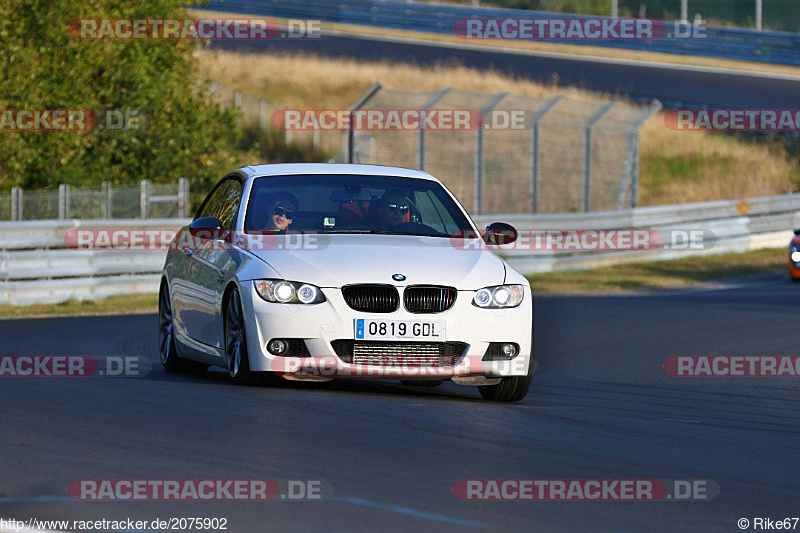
{"points": [[258, 114], [529, 155], [148, 200]]}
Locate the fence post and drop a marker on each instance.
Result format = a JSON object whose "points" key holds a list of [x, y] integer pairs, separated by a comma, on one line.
{"points": [[432, 101], [477, 200], [631, 174], [615, 8], [237, 99], [355, 107], [16, 203], [262, 115], [537, 117], [758, 15], [63, 201], [183, 197], [109, 204], [587, 153], [144, 198]]}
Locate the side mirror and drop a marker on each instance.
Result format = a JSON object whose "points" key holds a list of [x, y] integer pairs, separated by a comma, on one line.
{"points": [[499, 233], [206, 228]]}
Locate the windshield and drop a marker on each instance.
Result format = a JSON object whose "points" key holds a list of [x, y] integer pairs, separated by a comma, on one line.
{"points": [[352, 204]]}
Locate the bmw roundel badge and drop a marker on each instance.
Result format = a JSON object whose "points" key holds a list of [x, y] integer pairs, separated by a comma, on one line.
{"points": [[398, 277]]}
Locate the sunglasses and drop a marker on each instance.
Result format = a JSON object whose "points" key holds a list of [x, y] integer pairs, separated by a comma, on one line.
{"points": [[280, 210], [396, 207]]}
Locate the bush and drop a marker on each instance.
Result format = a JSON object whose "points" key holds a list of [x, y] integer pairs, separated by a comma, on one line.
{"points": [[42, 67]]}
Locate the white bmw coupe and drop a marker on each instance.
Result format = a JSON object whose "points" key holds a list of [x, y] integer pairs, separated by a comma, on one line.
{"points": [[316, 271]]}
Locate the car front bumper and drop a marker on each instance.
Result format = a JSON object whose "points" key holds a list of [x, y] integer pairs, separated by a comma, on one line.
{"points": [[318, 325]]}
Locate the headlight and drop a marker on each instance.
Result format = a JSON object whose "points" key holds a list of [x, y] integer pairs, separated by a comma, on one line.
{"points": [[499, 297], [288, 292]]}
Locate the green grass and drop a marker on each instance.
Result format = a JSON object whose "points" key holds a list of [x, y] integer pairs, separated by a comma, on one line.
{"points": [[663, 275], [113, 305]]}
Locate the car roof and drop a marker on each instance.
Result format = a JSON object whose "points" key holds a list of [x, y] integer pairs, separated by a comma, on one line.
{"points": [[334, 168]]}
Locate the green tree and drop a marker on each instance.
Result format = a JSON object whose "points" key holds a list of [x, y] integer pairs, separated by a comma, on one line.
{"points": [[43, 67]]}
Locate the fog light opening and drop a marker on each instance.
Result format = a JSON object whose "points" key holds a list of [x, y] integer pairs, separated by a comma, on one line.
{"points": [[277, 347], [509, 350]]}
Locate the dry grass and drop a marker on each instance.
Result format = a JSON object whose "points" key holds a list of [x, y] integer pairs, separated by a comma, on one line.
{"points": [[685, 166], [580, 50], [676, 166], [310, 81]]}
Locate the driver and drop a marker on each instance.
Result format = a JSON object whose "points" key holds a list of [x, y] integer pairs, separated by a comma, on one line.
{"points": [[281, 211]]}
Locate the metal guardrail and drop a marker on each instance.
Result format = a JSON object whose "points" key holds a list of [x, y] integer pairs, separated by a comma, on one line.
{"points": [[35, 266], [724, 42]]}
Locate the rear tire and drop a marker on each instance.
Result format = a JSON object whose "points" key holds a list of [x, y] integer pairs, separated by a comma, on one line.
{"points": [[236, 341], [421, 382]]}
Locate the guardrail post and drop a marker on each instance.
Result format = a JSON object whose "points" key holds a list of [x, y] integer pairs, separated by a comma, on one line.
{"points": [[237, 99], [432, 101], [16, 203], [144, 199], [108, 206], [63, 201], [537, 117], [355, 107], [477, 200], [587, 153], [183, 197]]}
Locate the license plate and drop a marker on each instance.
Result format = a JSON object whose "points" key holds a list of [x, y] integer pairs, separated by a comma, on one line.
{"points": [[368, 329]]}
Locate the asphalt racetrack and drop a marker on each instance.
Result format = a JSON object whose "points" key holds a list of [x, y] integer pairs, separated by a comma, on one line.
{"points": [[601, 407], [675, 86]]}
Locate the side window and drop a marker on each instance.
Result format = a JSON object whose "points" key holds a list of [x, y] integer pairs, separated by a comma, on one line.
{"points": [[223, 203]]}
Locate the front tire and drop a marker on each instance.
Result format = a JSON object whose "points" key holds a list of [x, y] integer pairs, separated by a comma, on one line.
{"points": [[236, 341], [167, 351], [512, 389]]}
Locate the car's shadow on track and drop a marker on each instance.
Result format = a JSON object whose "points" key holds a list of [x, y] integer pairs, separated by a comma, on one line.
{"points": [[219, 377]]}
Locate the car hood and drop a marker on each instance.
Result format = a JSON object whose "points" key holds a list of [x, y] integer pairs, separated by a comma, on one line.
{"points": [[338, 260]]}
